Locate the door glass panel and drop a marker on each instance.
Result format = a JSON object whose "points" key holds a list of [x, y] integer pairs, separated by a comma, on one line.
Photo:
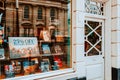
{"points": [[93, 38]]}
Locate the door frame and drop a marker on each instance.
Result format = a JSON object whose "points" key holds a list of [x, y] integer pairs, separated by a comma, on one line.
{"points": [[97, 59]]}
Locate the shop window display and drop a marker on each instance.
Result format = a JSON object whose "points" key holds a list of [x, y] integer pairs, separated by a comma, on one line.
{"points": [[42, 45]]}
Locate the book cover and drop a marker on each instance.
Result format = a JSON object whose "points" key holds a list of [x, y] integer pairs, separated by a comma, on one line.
{"points": [[55, 66], [46, 49], [58, 49], [17, 66], [0, 70], [2, 56], [58, 60], [45, 64], [52, 31], [9, 71], [29, 67], [46, 36], [26, 67]]}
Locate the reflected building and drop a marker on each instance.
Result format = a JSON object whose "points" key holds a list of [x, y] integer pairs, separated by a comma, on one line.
{"points": [[34, 15]]}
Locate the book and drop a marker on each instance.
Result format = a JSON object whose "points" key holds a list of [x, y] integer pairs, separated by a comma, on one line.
{"points": [[46, 36], [58, 49], [34, 65], [29, 67], [2, 56], [26, 67], [17, 66], [0, 70], [46, 49], [45, 64], [59, 38], [52, 32], [9, 71], [58, 60], [55, 66]]}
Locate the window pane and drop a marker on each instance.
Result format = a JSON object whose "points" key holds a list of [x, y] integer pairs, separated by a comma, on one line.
{"points": [[32, 46], [52, 13], [26, 12], [40, 14], [93, 38]]}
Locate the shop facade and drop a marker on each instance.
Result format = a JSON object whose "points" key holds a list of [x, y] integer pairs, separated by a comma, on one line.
{"points": [[84, 46]]}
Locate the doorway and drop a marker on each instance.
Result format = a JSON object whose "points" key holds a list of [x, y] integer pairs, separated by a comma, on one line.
{"points": [[94, 48]]}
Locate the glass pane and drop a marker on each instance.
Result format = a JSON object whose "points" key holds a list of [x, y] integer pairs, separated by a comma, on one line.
{"points": [[87, 30], [93, 52], [93, 38], [94, 7], [34, 39]]}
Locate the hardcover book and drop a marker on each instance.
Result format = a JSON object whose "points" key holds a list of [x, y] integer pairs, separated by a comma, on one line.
{"points": [[17, 66], [29, 67], [45, 65], [35, 65], [52, 31], [2, 56], [58, 60], [46, 49], [9, 71], [58, 49], [0, 70], [26, 67], [46, 36]]}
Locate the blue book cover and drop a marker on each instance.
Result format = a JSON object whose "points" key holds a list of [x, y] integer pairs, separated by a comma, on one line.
{"points": [[46, 49], [2, 54], [26, 67]]}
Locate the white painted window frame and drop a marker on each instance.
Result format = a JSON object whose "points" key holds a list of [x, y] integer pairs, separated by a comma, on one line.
{"points": [[98, 20]]}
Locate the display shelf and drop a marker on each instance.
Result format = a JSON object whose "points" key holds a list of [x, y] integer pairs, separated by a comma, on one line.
{"points": [[42, 41], [53, 54], [55, 58]]}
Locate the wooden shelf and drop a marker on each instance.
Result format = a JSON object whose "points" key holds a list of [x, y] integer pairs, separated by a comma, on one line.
{"points": [[53, 54]]}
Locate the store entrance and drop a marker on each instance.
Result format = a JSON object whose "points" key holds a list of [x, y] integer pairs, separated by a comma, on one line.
{"points": [[94, 48]]}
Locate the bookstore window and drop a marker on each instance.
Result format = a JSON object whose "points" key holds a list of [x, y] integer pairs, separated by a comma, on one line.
{"points": [[39, 47], [26, 12], [40, 13], [93, 38]]}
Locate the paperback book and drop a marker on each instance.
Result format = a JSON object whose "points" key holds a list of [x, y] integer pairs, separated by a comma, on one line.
{"points": [[46, 49], [9, 71], [45, 65], [26, 67], [17, 66], [29, 67], [2, 56], [58, 49], [46, 36]]}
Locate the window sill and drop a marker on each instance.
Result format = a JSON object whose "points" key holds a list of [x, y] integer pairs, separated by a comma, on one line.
{"points": [[43, 75]]}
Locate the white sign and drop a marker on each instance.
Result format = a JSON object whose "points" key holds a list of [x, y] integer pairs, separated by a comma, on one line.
{"points": [[23, 47]]}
